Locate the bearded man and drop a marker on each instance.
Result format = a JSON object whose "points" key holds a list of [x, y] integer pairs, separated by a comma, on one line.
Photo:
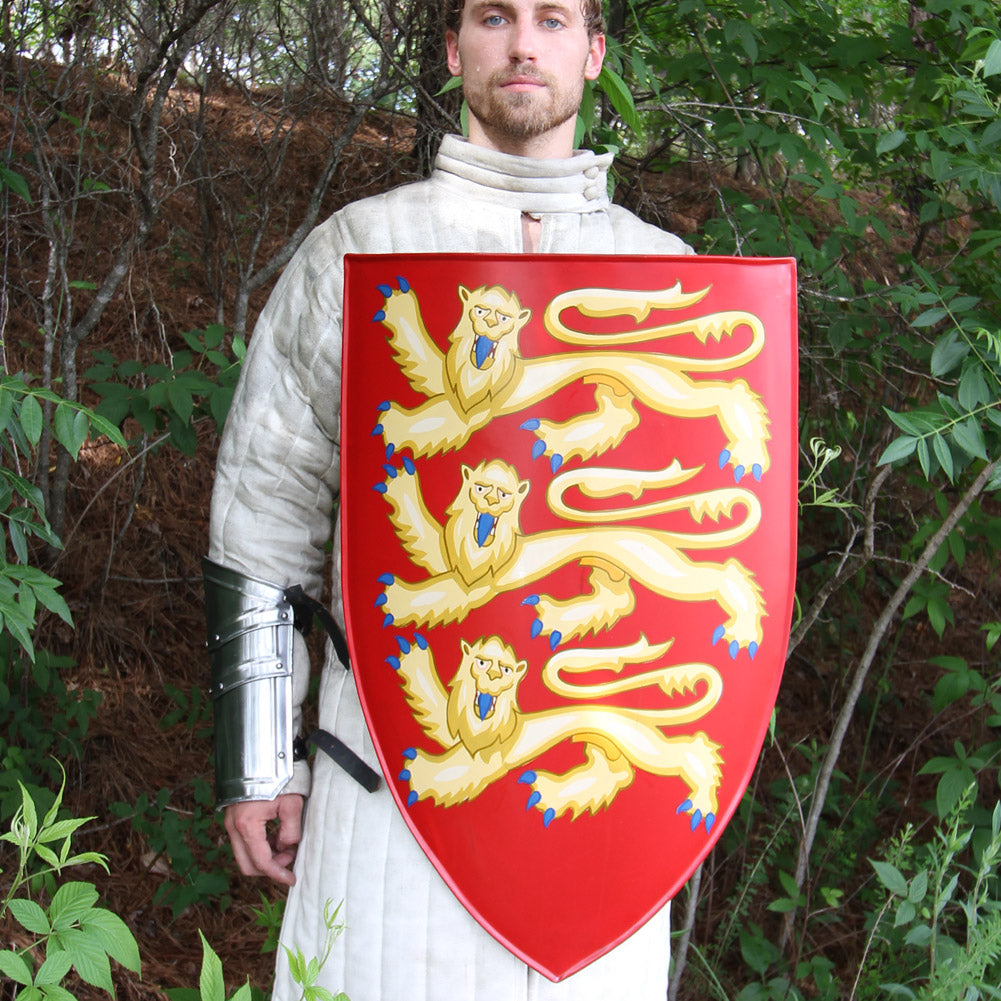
{"points": [[515, 185]]}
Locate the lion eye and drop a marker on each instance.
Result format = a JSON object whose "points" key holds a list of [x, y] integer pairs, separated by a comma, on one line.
{"points": [[479, 311], [503, 317], [503, 494]]}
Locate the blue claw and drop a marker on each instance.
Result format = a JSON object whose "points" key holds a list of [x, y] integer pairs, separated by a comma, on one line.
{"points": [[410, 753], [709, 821], [724, 457], [533, 799], [547, 817], [403, 643], [752, 649], [532, 424], [404, 776], [696, 819], [379, 316], [393, 662], [385, 290], [756, 471], [390, 470], [385, 578], [412, 798], [554, 639], [381, 600], [686, 806], [384, 406], [408, 465], [535, 628], [420, 641], [380, 488], [538, 447], [734, 649], [555, 462], [718, 633], [527, 778], [404, 284], [532, 599], [738, 473], [390, 449], [387, 620], [377, 430]]}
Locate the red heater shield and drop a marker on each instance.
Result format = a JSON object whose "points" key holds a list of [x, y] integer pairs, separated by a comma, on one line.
{"points": [[569, 535]]}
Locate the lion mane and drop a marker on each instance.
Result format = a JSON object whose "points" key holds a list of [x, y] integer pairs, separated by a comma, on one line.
{"points": [[482, 709], [483, 347], [482, 527]]}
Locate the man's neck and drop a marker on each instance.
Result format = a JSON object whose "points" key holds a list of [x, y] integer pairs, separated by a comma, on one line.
{"points": [[557, 144]]}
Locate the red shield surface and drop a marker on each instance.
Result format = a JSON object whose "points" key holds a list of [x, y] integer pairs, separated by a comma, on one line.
{"points": [[569, 509]]}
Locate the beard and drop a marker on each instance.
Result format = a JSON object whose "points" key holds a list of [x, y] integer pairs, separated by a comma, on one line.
{"points": [[523, 114]]}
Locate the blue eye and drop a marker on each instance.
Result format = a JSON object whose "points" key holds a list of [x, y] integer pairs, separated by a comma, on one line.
{"points": [[552, 23], [494, 20]]}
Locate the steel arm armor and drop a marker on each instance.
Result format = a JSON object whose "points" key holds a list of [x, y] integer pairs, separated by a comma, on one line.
{"points": [[250, 625]]}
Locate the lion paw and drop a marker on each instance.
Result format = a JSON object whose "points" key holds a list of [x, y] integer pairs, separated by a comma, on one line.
{"points": [[535, 798], [409, 756], [696, 816], [744, 421], [734, 645]]}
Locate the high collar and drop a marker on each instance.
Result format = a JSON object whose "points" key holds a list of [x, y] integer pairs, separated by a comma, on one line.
{"points": [[577, 184]]}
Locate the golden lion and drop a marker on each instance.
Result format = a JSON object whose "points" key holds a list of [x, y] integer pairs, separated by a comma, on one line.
{"points": [[484, 734], [481, 552], [482, 376]]}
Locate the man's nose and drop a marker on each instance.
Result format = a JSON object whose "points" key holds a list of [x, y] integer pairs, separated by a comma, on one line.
{"points": [[522, 41]]}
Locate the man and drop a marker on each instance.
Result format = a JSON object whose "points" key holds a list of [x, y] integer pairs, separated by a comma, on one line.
{"points": [[515, 185]]}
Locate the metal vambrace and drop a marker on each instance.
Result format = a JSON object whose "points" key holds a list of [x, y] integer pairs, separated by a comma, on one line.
{"points": [[250, 625]]}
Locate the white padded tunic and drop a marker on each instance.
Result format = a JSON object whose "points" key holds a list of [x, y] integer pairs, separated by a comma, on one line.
{"points": [[407, 937]]}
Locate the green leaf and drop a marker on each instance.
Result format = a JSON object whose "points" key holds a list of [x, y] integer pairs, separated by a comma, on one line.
{"points": [[89, 958], [992, 61], [949, 351], [891, 877], [618, 93], [918, 888], [15, 966], [31, 419], [16, 182], [210, 981], [57, 964], [899, 448], [70, 903], [71, 427], [890, 141], [117, 937], [969, 436], [944, 455], [30, 916]]}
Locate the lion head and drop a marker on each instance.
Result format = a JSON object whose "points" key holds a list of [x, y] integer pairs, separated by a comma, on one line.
{"points": [[483, 348], [482, 528], [483, 695]]}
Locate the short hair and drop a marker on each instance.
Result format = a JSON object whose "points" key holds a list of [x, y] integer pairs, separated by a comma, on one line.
{"points": [[594, 17]]}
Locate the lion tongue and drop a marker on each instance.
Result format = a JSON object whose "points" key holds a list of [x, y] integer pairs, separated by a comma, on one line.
{"points": [[484, 704], [484, 346], [484, 526]]}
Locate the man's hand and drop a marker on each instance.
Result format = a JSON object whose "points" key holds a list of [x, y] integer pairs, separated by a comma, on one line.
{"points": [[257, 853]]}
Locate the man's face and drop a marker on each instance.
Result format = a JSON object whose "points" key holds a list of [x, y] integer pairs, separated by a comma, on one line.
{"points": [[523, 65]]}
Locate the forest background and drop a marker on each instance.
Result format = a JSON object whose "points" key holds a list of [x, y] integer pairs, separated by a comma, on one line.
{"points": [[162, 161]]}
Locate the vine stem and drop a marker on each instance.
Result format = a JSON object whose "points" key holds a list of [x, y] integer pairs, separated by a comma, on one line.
{"points": [[879, 631]]}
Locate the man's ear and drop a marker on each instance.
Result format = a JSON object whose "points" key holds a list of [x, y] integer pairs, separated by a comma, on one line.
{"points": [[452, 51], [595, 57]]}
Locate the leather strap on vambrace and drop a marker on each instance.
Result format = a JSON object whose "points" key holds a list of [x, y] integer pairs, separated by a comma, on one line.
{"points": [[250, 624]]}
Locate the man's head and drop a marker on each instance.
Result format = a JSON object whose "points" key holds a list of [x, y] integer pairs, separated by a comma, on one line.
{"points": [[523, 65]]}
